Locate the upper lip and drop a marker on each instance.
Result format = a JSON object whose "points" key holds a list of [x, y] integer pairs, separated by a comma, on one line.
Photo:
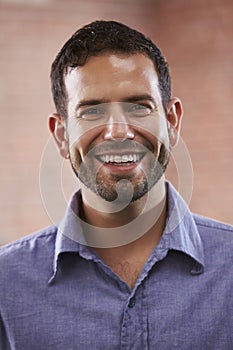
{"points": [[119, 149]]}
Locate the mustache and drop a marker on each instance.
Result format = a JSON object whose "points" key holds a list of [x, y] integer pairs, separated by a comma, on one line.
{"points": [[129, 146]]}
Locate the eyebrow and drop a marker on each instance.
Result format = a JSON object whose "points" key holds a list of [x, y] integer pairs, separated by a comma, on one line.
{"points": [[130, 99], [138, 98]]}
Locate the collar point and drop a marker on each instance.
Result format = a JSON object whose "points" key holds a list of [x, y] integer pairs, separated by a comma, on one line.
{"points": [[197, 269], [52, 279]]}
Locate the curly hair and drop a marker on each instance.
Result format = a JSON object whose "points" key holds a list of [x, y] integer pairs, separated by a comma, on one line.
{"points": [[101, 37]]}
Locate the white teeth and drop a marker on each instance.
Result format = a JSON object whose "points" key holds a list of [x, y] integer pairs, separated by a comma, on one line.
{"points": [[130, 158], [117, 159], [125, 158]]}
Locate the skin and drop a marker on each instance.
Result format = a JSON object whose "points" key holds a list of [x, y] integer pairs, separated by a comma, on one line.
{"points": [[114, 81]]}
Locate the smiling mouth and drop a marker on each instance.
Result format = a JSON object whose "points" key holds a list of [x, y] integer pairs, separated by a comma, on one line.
{"points": [[120, 159]]}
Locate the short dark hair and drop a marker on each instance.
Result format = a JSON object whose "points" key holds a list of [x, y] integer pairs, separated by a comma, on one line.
{"points": [[101, 37]]}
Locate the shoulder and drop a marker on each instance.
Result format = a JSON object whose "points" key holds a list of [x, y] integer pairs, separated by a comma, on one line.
{"points": [[217, 240], [26, 266], [208, 225], [31, 245]]}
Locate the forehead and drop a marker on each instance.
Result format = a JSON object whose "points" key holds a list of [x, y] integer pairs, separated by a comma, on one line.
{"points": [[112, 76]]}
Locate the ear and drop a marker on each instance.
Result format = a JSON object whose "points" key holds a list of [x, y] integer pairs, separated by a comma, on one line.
{"points": [[174, 117], [57, 128]]}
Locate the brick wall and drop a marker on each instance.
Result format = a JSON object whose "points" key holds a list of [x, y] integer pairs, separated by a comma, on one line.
{"points": [[196, 37]]}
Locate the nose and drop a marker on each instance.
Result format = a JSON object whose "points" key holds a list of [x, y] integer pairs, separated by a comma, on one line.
{"points": [[118, 127]]}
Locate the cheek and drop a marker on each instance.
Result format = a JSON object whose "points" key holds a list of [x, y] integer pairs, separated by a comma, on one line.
{"points": [[154, 128], [81, 142], [75, 155], [79, 133], [155, 133], [158, 132]]}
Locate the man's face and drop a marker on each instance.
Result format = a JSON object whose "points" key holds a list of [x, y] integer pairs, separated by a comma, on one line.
{"points": [[117, 128]]}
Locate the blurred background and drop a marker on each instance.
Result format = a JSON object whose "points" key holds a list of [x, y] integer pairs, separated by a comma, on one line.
{"points": [[195, 36]]}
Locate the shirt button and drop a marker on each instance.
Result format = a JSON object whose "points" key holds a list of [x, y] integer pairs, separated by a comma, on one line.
{"points": [[132, 302]]}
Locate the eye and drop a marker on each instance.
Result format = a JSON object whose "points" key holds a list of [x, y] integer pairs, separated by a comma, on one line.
{"points": [[139, 110], [92, 113]]}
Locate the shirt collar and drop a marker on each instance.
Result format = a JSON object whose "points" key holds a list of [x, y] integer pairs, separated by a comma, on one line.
{"points": [[70, 237], [180, 232]]}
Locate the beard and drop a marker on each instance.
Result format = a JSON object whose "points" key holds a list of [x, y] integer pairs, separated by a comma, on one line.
{"points": [[117, 188]]}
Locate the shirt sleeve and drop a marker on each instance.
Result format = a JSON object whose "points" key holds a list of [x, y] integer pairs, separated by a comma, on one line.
{"points": [[4, 343]]}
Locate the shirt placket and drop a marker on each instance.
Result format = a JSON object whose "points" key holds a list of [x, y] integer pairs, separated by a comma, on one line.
{"points": [[134, 324]]}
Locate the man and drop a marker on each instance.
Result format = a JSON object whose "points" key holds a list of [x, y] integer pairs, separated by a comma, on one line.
{"points": [[128, 267]]}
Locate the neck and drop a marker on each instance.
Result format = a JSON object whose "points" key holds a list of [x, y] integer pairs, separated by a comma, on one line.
{"points": [[108, 225]]}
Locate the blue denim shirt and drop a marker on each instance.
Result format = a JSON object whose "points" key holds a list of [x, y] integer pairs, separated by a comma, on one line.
{"points": [[57, 294]]}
